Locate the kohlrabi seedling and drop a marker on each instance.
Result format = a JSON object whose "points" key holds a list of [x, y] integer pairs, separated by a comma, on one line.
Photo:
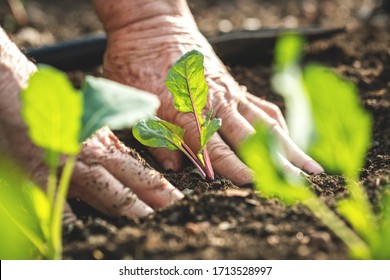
{"points": [[188, 86], [59, 118], [336, 131]]}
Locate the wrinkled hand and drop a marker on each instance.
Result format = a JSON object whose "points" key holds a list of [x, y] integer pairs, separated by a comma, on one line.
{"points": [[117, 181], [144, 41], [108, 175]]}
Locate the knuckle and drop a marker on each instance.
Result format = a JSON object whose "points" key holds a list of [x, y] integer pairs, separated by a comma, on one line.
{"points": [[186, 121], [223, 108], [271, 122], [219, 151], [275, 109]]}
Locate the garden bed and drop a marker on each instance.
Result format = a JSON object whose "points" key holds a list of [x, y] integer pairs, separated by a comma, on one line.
{"points": [[220, 220]]}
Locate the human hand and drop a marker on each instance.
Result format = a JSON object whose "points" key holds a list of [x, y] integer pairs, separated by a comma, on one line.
{"points": [[108, 175], [145, 40]]}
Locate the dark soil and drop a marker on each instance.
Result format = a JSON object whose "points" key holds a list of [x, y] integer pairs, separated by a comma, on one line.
{"points": [[220, 220]]}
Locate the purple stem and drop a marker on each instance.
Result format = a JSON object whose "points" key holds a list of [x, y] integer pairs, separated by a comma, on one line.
{"points": [[187, 151], [208, 167]]}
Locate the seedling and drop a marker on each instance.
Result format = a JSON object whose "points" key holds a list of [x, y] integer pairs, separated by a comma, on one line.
{"points": [[59, 118], [188, 86], [338, 137]]}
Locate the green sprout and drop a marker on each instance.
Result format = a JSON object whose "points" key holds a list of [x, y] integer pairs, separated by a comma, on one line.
{"points": [[327, 119], [59, 118], [188, 86]]}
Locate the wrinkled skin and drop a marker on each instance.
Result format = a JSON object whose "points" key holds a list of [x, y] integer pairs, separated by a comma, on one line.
{"points": [[145, 38], [108, 175]]}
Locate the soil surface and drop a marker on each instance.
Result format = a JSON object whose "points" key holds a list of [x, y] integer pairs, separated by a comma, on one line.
{"points": [[220, 220]]}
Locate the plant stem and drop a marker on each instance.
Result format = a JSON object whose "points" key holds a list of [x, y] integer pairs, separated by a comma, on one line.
{"points": [[208, 168], [34, 239], [195, 162], [370, 232], [354, 243], [52, 180], [190, 154], [59, 206]]}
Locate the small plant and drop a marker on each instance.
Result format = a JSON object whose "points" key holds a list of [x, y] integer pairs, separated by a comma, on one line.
{"points": [[59, 118], [338, 137], [188, 86]]}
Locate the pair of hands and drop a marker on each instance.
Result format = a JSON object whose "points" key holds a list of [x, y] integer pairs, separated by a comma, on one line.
{"points": [[140, 53], [142, 47]]}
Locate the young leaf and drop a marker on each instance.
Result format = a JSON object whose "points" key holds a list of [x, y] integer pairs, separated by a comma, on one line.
{"points": [[41, 206], [115, 105], [380, 248], [21, 235], [52, 110], [209, 127], [288, 51], [158, 133], [188, 85], [258, 154], [343, 127], [287, 81]]}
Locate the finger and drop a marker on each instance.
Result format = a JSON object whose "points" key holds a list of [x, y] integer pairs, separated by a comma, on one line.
{"points": [[269, 108], [235, 128], [226, 163], [170, 160], [291, 151], [130, 169], [294, 154], [287, 166], [223, 159], [97, 187]]}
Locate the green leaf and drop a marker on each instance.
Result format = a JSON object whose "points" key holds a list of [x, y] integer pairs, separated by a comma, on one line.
{"points": [[288, 50], [343, 127], [358, 213], [41, 207], [287, 81], [187, 83], [258, 152], [174, 129], [21, 235], [52, 110], [380, 247], [113, 104], [158, 133], [209, 127]]}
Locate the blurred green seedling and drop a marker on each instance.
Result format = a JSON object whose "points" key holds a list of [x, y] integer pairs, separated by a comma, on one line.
{"points": [[327, 120], [59, 118], [188, 86]]}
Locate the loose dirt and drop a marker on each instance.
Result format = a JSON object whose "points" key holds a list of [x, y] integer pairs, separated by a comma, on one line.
{"points": [[221, 220]]}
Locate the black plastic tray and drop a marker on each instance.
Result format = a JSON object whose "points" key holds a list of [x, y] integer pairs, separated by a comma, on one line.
{"points": [[241, 46]]}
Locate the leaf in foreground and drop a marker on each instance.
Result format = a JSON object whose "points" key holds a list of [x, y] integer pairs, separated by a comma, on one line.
{"points": [[287, 81], [113, 104], [258, 153], [23, 216], [52, 109], [381, 250], [343, 127]]}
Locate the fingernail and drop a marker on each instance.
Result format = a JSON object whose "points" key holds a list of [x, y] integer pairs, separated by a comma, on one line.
{"points": [[136, 209], [177, 195], [313, 167], [168, 165]]}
